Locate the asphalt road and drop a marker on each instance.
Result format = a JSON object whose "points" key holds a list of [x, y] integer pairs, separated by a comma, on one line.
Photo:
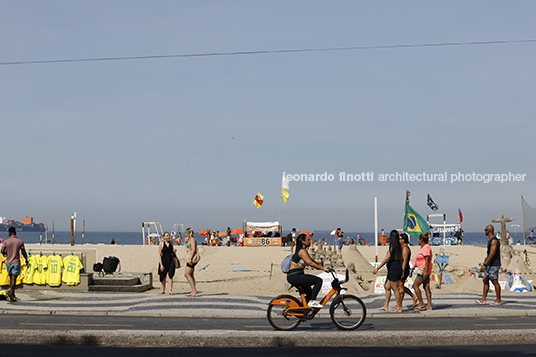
{"points": [[443, 351], [408, 323]]}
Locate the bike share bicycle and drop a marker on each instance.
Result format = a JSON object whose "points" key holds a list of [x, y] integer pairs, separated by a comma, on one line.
{"points": [[347, 312]]}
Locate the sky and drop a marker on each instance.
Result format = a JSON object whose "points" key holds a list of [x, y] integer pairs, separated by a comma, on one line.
{"points": [[192, 140]]}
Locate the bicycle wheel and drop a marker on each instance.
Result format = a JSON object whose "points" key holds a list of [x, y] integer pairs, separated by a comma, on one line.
{"points": [[278, 318], [347, 312]]}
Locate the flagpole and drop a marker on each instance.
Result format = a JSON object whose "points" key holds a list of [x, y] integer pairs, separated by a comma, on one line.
{"points": [[250, 207], [280, 206], [376, 226]]}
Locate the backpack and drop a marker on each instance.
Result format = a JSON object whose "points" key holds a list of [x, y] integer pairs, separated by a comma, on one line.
{"points": [[285, 264], [97, 268], [109, 264]]}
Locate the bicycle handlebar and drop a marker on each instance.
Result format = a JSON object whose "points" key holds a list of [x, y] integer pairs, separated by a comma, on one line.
{"points": [[333, 273]]}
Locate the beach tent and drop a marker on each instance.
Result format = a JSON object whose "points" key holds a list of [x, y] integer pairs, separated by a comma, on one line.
{"points": [[263, 227], [263, 234]]}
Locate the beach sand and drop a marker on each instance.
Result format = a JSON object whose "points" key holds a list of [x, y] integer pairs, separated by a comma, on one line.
{"points": [[256, 270]]}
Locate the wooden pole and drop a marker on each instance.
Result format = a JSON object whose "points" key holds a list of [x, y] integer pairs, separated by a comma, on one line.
{"points": [[72, 230], [83, 231]]}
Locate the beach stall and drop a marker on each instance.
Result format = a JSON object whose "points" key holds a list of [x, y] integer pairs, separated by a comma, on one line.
{"points": [[442, 233], [262, 234]]}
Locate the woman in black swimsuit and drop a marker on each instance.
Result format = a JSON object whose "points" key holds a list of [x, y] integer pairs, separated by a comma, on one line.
{"points": [[296, 275]]}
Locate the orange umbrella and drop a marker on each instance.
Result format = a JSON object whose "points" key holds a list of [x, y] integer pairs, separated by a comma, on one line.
{"points": [[221, 234], [237, 231], [305, 232], [202, 233]]}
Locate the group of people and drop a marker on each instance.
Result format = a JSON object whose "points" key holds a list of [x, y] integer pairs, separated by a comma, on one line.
{"points": [[169, 262], [398, 260], [217, 238], [397, 257]]}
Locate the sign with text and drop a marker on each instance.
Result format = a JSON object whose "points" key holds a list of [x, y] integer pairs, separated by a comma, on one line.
{"points": [[262, 242]]}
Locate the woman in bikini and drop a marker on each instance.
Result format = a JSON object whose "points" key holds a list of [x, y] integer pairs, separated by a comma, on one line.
{"points": [[296, 275], [192, 258]]}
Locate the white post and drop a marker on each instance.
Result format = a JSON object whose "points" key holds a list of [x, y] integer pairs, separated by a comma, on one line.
{"points": [[444, 229], [143, 233], [376, 226]]}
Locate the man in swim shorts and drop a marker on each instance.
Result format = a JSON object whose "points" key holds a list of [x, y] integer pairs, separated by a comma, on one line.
{"points": [[12, 248], [491, 267]]}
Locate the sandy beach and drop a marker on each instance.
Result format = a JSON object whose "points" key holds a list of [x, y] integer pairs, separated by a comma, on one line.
{"points": [[256, 270]]}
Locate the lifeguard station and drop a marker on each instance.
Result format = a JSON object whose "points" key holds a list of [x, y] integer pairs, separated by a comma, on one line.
{"points": [[151, 232]]}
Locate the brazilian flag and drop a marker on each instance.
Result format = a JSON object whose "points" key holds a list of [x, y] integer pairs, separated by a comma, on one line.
{"points": [[414, 224]]}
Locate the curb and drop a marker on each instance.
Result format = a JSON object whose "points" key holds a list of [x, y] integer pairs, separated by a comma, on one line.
{"points": [[218, 339]]}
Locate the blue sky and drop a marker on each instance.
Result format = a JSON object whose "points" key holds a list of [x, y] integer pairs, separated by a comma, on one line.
{"points": [[192, 140]]}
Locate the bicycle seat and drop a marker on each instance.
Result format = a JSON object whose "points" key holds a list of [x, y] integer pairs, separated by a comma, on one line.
{"points": [[297, 287]]}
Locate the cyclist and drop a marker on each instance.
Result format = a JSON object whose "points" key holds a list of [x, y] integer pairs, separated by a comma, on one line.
{"points": [[296, 275]]}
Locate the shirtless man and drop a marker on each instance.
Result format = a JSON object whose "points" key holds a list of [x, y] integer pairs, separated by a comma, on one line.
{"points": [[491, 267]]}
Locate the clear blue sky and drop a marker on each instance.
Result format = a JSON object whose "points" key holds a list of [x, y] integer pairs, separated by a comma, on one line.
{"points": [[192, 140]]}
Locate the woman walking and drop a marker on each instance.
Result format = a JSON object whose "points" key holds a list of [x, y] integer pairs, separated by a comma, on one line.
{"points": [[192, 258], [393, 259], [423, 270], [406, 258]]}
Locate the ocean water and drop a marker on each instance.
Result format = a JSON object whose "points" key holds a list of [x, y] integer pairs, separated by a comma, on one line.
{"points": [[135, 238]]}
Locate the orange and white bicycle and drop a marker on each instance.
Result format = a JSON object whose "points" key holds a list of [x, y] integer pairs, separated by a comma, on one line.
{"points": [[348, 312]]}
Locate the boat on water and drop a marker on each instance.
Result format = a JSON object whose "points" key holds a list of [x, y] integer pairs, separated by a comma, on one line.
{"points": [[26, 225]]}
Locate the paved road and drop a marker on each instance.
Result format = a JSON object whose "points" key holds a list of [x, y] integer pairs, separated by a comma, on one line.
{"points": [[153, 320], [151, 323], [443, 351]]}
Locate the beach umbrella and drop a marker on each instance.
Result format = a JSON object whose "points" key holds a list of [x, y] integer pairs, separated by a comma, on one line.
{"points": [[305, 232], [333, 232], [237, 231], [221, 234], [202, 233]]}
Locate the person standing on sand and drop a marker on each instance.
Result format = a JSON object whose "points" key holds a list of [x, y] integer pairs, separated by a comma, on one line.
{"points": [[166, 266], [12, 247], [192, 258], [491, 267], [292, 239], [340, 243]]}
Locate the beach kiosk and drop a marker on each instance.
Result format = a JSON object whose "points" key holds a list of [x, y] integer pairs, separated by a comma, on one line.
{"points": [[442, 233], [262, 234]]}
